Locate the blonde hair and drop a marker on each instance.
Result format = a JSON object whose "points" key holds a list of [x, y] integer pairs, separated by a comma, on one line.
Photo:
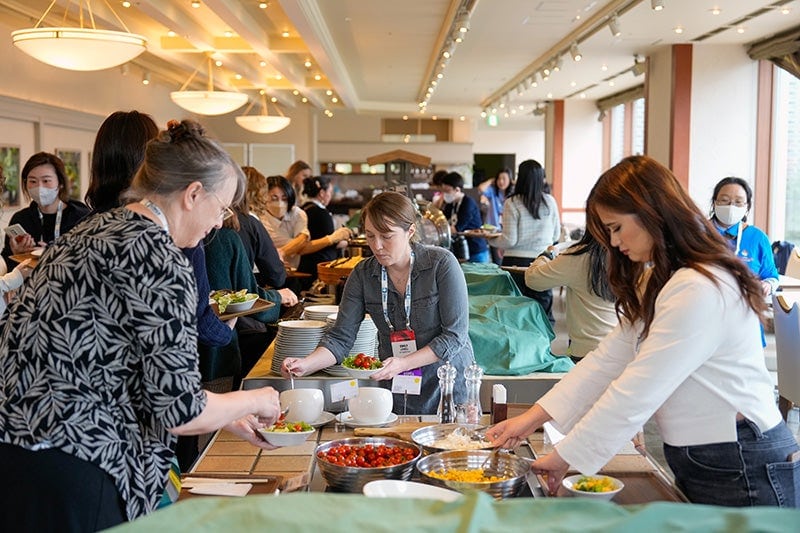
{"points": [[257, 192]]}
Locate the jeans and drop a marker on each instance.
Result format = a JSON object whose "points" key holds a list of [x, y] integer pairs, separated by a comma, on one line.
{"points": [[479, 257], [754, 470]]}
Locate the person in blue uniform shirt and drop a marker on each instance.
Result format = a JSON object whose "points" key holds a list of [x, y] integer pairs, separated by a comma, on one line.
{"points": [[730, 203]]}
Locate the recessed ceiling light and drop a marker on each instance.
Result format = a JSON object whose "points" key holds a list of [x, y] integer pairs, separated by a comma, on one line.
{"points": [[238, 76], [126, 4], [263, 5], [273, 100], [296, 92], [329, 92], [228, 33], [304, 99], [715, 10], [604, 67], [462, 118], [572, 84], [278, 76], [678, 29], [195, 4], [284, 33], [611, 83], [317, 77], [785, 11], [740, 29], [583, 95], [262, 63], [405, 117], [549, 95], [170, 33], [218, 62], [334, 100], [307, 63]]}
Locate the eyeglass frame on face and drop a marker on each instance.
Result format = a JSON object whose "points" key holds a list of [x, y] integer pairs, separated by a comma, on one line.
{"points": [[724, 200], [225, 212]]}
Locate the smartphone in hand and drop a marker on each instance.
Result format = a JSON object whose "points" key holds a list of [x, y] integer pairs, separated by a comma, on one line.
{"points": [[15, 231]]}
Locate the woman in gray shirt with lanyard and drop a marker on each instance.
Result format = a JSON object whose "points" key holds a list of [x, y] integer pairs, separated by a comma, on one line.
{"points": [[417, 297]]}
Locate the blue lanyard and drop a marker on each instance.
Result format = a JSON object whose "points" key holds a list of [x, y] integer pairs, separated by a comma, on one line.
{"points": [[385, 295], [157, 212], [57, 225]]}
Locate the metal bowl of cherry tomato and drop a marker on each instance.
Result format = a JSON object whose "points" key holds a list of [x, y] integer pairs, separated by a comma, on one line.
{"points": [[349, 464]]}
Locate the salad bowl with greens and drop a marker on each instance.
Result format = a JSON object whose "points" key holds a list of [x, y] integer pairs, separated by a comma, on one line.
{"points": [[233, 301]]}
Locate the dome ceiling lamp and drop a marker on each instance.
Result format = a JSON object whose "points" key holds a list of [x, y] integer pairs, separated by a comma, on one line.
{"points": [[208, 102], [263, 123], [81, 48]]}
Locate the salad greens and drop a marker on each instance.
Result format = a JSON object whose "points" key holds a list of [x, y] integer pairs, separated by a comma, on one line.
{"points": [[224, 298]]}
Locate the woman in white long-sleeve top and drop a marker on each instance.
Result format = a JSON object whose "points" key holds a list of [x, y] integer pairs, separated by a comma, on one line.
{"points": [[687, 351]]}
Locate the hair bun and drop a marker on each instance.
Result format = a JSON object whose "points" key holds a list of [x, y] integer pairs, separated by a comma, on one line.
{"points": [[184, 129]]}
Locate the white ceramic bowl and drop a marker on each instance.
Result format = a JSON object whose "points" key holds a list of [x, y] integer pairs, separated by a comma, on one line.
{"points": [[570, 481], [359, 373], [305, 405], [373, 405], [285, 439], [395, 488], [240, 306]]}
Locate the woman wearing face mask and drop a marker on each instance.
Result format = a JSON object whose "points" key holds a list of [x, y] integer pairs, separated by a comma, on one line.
{"points": [[286, 223], [730, 203], [51, 212]]}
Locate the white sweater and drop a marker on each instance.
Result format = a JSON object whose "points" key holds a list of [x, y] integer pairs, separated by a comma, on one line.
{"points": [[525, 236], [589, 317], [701, 364]]}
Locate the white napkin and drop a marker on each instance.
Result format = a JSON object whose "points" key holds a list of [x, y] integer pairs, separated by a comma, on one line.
{"points": [[222, 489]]}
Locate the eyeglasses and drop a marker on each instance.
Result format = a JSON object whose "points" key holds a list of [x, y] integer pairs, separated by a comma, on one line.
{"points": [[723, 200], [225, 212]]}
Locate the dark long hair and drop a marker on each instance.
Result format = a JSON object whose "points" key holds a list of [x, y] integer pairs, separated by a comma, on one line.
{"points": [[117, 155], [510, 188], [682, 237], [598, 264], [530, 186]]}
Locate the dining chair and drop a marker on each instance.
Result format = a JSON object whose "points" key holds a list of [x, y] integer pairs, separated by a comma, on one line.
{"points": [[786, 309], [793, 264]]}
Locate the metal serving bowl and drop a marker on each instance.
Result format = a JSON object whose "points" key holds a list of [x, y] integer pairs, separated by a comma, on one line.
{"points": [[353, 478], [426, 436], [502, 464]]}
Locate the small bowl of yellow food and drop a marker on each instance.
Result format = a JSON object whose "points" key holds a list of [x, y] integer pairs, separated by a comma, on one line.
{"points": [[595, 487]]}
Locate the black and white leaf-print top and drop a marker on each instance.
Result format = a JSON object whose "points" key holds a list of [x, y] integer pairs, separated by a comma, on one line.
{"points": [[98, 355]]}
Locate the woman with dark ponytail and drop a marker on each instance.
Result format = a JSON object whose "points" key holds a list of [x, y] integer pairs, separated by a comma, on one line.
{"points": [[325, 240]]}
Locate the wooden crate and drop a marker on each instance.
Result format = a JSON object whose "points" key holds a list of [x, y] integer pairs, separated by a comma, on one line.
{"points": [[341, 269]]}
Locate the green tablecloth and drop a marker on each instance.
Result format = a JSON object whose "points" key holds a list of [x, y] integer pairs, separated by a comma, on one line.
{"points": [[488, 278], [511, 336], [347, 513]]}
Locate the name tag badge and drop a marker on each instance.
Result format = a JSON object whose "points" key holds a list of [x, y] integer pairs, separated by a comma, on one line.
{"points": [[404, 342], [409, 382]]}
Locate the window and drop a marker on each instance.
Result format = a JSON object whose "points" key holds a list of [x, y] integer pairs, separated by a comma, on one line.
{"points": [[785, 163], [622, 115]]}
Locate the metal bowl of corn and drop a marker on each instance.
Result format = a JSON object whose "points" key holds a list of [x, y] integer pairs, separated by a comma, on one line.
{"points": [[464, 470]]}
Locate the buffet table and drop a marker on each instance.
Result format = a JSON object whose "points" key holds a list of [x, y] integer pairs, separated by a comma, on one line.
{"points": [[311, 509]]}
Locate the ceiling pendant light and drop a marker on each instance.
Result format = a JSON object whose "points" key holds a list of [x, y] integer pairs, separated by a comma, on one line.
{"points": [[82, 49], [208, 102], [263, 123]]}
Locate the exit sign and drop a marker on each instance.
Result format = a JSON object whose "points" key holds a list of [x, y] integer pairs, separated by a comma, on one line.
{"points": [[492, 121]]}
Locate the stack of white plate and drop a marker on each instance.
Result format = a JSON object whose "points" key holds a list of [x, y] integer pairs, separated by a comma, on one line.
{"points": [[366, 342], [296, 338], [320, 299], [319, 312]]}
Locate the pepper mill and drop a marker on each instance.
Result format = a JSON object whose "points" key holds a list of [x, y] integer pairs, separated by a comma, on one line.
{"points": [[447, 378], [472, 376]]}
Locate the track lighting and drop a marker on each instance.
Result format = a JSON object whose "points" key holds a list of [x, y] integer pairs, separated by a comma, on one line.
{"points": [[657, 5], [575, 53], [613, 25], [146, 78]]}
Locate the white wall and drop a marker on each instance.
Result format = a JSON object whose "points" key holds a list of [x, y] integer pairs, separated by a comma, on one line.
{"points": [[525, 143], [583, 156], [724, 101]]}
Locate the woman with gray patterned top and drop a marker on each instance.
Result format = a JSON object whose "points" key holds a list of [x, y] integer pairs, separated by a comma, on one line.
{"points": [[98, 360]]}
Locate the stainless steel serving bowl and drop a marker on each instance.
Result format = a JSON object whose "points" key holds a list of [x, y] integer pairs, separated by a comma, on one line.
{"points": [[352, 478], [502, 464], [426, 436]]}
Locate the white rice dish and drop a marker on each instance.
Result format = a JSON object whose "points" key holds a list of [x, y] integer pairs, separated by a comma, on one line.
{"points": [[457, 441]]}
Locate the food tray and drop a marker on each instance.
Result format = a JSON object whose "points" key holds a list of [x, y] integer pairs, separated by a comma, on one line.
{"points": [[19, 258], [260, 305], [261, 484]]}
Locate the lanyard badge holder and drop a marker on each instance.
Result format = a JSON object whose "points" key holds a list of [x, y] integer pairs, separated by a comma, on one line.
{"points": [[404, 342]]}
